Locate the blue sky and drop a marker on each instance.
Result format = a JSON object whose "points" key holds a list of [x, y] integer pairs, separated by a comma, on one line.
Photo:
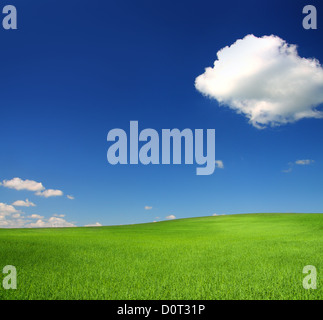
{"points": [[73, 70]]}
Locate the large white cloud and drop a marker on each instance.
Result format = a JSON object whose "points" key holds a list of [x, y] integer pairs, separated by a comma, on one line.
{"points": [[19, 184], [12, 223], [266, 80], [52, 222], [13, 219], [31, 185], [10, 217], [7, 209]]}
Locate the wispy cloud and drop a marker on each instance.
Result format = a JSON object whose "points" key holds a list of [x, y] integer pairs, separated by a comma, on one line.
{"points": [[305, 162], [70, 197], [265, 79], [288, 170], [148, 208], [170, 217]]}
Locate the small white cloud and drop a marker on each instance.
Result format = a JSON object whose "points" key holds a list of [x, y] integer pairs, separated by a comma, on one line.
{"points": [[148, 208], [265, 79], [219, 164], [59, 215], [170, 217], [50, 193], [70, 197], [97, 224], [19, 184], [304, 162], [22, 203], [214, 214]]}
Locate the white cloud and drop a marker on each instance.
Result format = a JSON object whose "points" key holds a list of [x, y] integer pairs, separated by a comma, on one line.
{"points": [[22, 203], [39, 224], [97, 224], [52, 222], [170, 217], [288, 170], [19, 184], [70, 197], [11, 218], [7, 209], [219, 164], [35, 216], [148, 208], [12, 223], [214, 214], [49, 193], [266, 80], [59, 215], [304, 162], [31, 185]]}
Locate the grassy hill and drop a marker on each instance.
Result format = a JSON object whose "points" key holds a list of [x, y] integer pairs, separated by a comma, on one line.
{"points": [[251, 256]]}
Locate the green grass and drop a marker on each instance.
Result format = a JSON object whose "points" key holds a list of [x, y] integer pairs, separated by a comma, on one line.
{"points": [[252, 256]]}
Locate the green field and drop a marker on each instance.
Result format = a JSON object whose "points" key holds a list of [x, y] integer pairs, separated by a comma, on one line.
{"points": [[251, 256]]}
